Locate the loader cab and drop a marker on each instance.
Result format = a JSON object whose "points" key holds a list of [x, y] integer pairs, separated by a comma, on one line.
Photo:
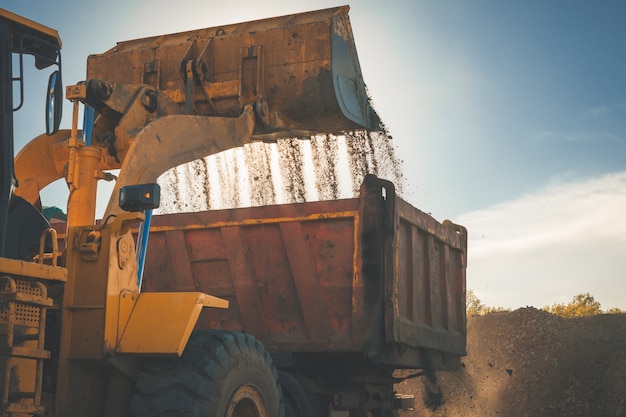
{"points": [[21, 223]]}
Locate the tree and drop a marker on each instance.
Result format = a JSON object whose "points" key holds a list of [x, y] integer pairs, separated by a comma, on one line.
{"points": [[53, 211], [475, 307], [473, 304], [582, 305]]}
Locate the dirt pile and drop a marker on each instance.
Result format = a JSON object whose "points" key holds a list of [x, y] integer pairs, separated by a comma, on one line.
{"points": [[530, 363]]}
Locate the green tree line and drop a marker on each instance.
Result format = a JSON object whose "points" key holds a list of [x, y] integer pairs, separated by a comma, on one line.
{"points": [[582, 305]]}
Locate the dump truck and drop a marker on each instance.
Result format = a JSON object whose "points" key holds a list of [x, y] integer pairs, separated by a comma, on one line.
{"points": [[341, 293], [310, 308]]}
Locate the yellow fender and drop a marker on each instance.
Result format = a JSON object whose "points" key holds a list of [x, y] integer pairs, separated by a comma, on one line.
{"points": [[41, 162], [161, 322]]}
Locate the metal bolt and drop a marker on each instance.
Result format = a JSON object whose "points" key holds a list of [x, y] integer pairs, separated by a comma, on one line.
{"points": [[150, 101]]}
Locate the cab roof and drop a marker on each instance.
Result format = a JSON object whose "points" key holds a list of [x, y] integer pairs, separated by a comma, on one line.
{"points": [[33, 38]]}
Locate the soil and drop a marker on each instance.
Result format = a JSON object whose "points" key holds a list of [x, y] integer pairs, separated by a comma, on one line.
{"points": [[530, 363], [248, 177]]}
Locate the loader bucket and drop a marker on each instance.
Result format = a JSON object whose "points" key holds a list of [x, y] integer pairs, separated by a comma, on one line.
{"points": [[301, 72]]}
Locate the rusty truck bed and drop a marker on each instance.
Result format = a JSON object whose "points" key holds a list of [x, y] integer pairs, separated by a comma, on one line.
{"points": [[371, 274]]}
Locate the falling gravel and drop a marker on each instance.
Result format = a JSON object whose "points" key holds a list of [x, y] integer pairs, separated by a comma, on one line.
{"points": [[325, 150], [258, 158], [322, 167]]}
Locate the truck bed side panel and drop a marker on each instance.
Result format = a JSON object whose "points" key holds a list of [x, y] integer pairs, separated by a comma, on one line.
{"points": [[290, 272], [371, 274], [428, 282]]}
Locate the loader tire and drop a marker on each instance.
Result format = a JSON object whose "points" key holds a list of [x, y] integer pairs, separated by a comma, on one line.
{"points": [[297, 403], [220, 374]]}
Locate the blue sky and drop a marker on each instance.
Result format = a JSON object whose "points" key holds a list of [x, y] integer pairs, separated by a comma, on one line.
{"points": [[510, 118]]}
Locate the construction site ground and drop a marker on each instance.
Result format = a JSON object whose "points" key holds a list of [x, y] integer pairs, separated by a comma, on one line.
{"points": [[528, 363]]}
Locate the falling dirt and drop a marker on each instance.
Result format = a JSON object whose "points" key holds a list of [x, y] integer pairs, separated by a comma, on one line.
{"points": [[229, 179], [291, 164], [258, 162], [322, 167], [373, 153], [325, 150]]}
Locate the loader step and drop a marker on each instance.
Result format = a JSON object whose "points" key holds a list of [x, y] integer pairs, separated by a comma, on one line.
{"points": [[24, 352], [21, 408], [14, 397], [24, 298]]}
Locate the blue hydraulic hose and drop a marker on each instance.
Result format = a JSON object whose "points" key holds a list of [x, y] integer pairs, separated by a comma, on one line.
{"points": [[142, 246], [88, 117]]}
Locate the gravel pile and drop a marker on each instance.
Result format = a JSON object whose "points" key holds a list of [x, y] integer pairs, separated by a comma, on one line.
{"points": [[531, 363]]}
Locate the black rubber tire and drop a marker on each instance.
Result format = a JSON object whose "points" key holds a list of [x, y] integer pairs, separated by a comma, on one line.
{"points": [[297, 403], [220, 374]]}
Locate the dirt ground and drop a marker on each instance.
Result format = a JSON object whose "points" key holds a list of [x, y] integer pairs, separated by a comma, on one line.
{"points": [[531, 363]]}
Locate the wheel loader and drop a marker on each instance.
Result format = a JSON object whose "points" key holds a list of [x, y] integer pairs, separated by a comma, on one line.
{"points": [[89, 325]]}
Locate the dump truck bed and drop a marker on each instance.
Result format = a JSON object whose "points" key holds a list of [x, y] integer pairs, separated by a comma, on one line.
{"points": [[368, 274]]}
